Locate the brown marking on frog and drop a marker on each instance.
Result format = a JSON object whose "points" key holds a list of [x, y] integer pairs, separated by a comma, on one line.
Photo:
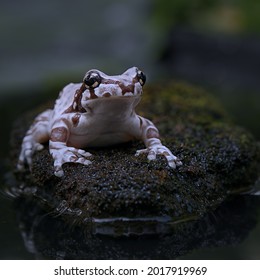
{"points": [[135, 80], [106, 94], [141, 121], [76, 104], [126, 88], [152, 133], [92, 93], [109, 82], [123, 87], [59, 134], [75, 119]]}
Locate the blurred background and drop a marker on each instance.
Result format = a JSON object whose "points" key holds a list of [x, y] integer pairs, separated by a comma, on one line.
{"points": [[211, 43], [214, 44]]}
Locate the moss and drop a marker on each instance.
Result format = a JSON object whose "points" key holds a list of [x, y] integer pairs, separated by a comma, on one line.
{"points": [[54, 239], [218, 158]]}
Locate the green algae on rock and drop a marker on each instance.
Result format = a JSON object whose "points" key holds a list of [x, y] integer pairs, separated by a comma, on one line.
{"points": [[218, 158]]}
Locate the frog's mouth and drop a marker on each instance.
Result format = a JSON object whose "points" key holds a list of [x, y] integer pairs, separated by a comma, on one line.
{"points": [[116, 99], [113, 105], [107, 95], [111, 95], [127, 94]]}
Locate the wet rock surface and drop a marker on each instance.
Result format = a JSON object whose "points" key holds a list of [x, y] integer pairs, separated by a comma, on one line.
{"points": [[218, 158], [47, 236]]}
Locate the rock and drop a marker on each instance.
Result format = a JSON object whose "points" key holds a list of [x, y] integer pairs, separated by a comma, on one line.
{"points": [[48, 237], [123, 194]]}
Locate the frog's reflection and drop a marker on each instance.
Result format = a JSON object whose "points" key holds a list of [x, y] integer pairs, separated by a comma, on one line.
{"points": [[48, 236]]}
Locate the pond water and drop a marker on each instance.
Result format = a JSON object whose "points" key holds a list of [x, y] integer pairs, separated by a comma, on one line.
{"points": [[230, 232]]}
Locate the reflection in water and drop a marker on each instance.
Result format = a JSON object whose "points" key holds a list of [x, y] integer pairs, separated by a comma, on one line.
{"points": [[50, 237]]}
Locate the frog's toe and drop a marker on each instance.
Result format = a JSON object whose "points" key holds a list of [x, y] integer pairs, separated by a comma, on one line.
{"points": [[21, 162], [70, 155], [139, 152], [80, 156], [20, 165], [25, 158], [178, 162], [28, 156], [151, 153], [84, 153], [81, 160], [58, 171], [38, 147], [172, 160]]}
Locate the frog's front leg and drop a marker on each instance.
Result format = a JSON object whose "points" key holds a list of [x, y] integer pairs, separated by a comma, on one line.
{"points": [[154, 147], [62, 153], [34, 138]]}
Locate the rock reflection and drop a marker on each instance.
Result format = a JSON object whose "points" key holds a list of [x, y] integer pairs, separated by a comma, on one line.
{"points": [[49, 237]]}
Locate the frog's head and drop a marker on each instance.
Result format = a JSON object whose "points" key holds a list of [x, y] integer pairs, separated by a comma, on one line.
{"points": [[99, 85]]}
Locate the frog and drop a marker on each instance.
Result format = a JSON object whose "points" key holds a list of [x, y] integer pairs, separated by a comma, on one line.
{"points": [[97, 112]]}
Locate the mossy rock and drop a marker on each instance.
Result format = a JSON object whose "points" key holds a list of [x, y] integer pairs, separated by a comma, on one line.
{"points": [[49, 237], [218, 158]]}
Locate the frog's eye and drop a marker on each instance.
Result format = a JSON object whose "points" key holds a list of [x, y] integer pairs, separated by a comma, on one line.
{"points": [[92, 80], [141, 77]]}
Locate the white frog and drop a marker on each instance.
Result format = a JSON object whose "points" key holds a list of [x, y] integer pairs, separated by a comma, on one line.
{"points": [[98, 112]]}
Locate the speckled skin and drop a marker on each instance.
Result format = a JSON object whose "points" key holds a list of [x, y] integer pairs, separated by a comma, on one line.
{"points": [[98, 112]]}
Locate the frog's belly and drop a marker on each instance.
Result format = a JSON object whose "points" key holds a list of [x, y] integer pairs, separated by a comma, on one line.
{"points": [[101, 140]]}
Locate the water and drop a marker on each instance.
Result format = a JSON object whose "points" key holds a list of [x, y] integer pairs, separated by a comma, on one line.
{"points": [[11, 241], [230, 232]]}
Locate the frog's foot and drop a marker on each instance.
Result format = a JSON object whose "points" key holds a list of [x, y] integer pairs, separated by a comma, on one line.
{"points": [[155, 150], [27, 151], [69, 154]]}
